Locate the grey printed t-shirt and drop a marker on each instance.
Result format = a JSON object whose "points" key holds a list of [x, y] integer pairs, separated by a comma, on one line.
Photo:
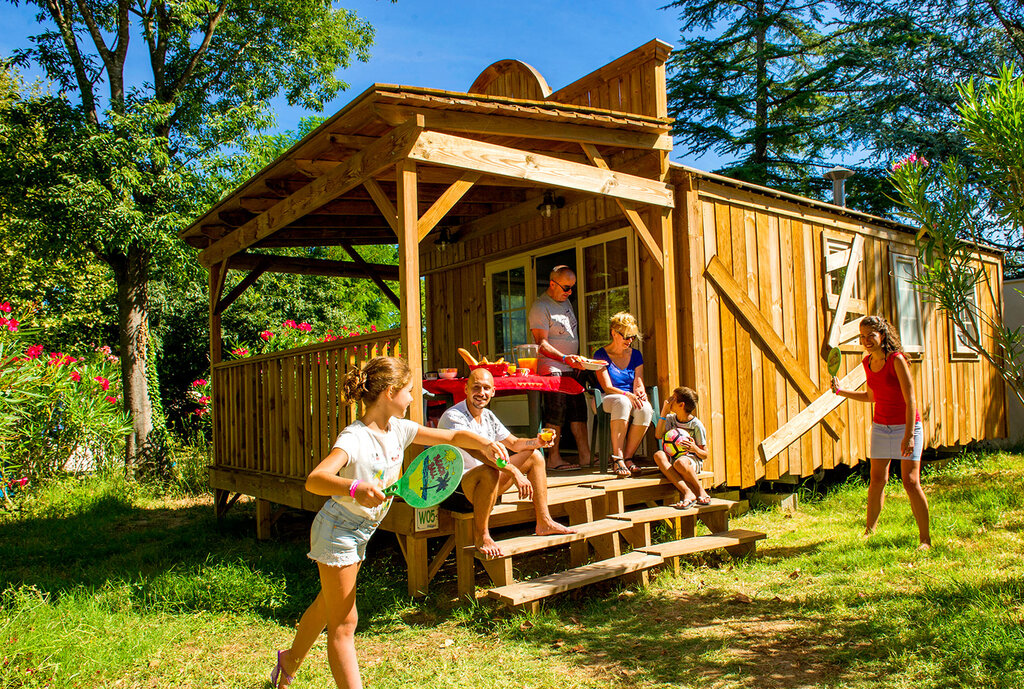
{"points": [[558, 318], [459, 418]]}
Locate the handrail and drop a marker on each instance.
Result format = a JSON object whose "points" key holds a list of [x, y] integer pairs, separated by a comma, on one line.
{"points": [[341, 342]]}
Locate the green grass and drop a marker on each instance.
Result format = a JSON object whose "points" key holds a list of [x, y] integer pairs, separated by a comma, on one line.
{"points": [[105, 583]]}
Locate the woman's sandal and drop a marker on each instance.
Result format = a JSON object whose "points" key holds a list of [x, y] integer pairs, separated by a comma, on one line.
{"points": [[684, 504], [619, 467], [278, 671], [704, 500]]}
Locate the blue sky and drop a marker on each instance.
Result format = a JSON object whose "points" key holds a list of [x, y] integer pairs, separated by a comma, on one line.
{"points": [[447, 44]]}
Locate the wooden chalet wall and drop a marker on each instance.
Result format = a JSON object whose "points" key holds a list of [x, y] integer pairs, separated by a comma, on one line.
{"points": [[772, 247]]}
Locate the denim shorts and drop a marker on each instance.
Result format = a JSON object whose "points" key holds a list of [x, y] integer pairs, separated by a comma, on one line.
{"points": [[338, 537], [885, 441]]}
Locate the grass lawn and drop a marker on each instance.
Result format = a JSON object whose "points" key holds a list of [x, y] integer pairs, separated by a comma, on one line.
{"points": [[106, 585]]}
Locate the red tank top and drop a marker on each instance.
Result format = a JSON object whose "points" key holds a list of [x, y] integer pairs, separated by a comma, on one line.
{"points": [[890, 407]]}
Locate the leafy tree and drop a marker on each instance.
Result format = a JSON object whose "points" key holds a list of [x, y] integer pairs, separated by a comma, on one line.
{"points": [[785, 87], [957, 208], [115, 168]]}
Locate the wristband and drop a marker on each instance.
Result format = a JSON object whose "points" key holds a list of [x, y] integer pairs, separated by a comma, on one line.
{"points": [[501, 463], [563, 358], [352, 488], [662, 418]]}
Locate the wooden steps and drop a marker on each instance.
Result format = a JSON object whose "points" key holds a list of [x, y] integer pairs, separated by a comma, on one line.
{"points": [[698, 544], [519, 545], [542, 587]]}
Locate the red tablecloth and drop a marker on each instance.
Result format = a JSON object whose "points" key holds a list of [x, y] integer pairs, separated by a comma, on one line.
{"points": [[456, 387]]}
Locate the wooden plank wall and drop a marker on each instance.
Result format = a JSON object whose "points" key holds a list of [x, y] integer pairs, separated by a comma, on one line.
{"points": [[774, 249], [279, 414]]}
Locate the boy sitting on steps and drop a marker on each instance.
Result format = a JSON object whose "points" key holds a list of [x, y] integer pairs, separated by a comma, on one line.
{"points": [[682, 470]]}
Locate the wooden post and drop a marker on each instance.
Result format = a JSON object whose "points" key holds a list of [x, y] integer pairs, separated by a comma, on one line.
{"points": [[218, 272], [409, 282]]}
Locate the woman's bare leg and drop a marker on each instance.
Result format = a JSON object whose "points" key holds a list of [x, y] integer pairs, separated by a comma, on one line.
{"points": [[876, 493], [911, 475]]}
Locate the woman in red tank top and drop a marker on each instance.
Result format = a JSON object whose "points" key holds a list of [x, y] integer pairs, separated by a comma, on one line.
{"points": [[896, 431]]}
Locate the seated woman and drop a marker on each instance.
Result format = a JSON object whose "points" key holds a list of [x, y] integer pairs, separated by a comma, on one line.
{"points": [[625, 397]]}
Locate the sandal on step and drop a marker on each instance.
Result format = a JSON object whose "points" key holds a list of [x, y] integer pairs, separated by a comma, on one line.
{"points": [[278, 671], [619, 467], [684, 504], [704, 500]]}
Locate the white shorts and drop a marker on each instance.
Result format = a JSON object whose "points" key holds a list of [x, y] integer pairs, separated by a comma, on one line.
{"points": [[885, 441], [338, 537]]}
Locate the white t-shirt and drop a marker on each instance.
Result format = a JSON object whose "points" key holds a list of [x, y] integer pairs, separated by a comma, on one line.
{"points": [[371, 457], [459, 418], [559, 320]]}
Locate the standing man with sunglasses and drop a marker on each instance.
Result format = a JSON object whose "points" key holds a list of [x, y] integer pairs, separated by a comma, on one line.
{"points": [[555, 328]]}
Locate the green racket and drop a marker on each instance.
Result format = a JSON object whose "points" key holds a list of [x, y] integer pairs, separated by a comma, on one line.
{"points": [[835, 358], [432, 477]]}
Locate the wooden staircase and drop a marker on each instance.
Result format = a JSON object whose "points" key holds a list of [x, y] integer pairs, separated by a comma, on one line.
{"points": [[612, 518]]}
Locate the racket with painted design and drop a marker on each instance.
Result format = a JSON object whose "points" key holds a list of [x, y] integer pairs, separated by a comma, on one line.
{"points": [[433, 475], [835, 360]]}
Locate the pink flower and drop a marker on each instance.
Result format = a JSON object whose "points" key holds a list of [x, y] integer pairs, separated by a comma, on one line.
{"points": [[199, 383], [289, 324], [240, 351], [205, 399], [373, 328], [34, 351], [200, 412], [112, 400], [104, 383], [924, 161], [104, 350], [76, 376], [5, 307], [304, 327], [12, 325], [3, 321], [266, 335]]}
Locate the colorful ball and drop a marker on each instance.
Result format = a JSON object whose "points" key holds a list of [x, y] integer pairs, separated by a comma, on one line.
{"points": [[674, 442]]}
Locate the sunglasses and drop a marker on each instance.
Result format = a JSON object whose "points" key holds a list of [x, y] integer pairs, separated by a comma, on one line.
{"points": [[565, 289], [627, 338]]}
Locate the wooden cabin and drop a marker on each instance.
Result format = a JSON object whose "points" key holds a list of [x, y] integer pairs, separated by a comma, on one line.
{"points": [[740, 290]]}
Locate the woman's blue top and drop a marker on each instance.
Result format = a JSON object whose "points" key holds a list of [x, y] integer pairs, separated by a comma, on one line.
{"points": [[622, 378]]}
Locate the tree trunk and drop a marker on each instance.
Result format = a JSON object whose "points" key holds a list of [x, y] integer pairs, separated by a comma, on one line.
{"points": [[131, 271], [760, 154]]}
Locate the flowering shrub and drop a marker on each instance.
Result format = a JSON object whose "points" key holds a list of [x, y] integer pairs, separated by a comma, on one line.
{"points": [[54, 408], [290, 335]]}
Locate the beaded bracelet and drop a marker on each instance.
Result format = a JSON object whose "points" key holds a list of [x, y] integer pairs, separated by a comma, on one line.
{"points": [[352, 488]]}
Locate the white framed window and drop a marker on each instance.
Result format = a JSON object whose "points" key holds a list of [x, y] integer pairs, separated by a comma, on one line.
{"points": [[508, 304], [605, 284], [960, 347], [907, 302]]}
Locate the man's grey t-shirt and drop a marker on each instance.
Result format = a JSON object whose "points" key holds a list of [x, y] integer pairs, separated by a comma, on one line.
{"points": [[558, 318]]}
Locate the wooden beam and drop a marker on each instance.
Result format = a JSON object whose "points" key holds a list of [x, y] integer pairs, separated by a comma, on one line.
{"points": [[810, 415], [245, 284], [513, 215], [497, 125], [383, 204], [409, 282], [300, 265], [446, 150], [372, 272], [361, 166], [775, 348], [839, 317], [445, 202], [635, 221]]}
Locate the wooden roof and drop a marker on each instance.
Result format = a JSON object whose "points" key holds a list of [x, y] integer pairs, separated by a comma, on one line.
{"points": [[371, 124]]}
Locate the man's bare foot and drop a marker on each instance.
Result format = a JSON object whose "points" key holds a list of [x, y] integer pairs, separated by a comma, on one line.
{"points": [[486, 545], [552, 527], [925, 546], [868, 532]]}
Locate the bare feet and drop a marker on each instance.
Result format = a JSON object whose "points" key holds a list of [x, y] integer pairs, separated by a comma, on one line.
{"points": [[925, 546], [486, 545], [552, 527]]}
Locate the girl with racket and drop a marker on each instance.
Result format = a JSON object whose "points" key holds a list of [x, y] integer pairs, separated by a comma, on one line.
{"points": [[896, 431], [365, 459]]}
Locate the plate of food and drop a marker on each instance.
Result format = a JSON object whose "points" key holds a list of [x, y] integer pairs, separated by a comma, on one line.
{"points": [[592, 364]]}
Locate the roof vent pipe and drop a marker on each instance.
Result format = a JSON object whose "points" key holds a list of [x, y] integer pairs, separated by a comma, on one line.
{"points": [[838, 176]]}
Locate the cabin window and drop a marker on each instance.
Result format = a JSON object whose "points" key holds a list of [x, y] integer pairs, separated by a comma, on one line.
{"points": [[509, 305], [907, 302], [605, 288], [960, 346]]}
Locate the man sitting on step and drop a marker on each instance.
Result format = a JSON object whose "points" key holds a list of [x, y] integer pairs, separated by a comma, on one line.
{"points": [[482, 480]]}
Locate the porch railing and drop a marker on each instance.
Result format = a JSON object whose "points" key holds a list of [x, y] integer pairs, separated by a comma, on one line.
{"points": [[279, 413]]}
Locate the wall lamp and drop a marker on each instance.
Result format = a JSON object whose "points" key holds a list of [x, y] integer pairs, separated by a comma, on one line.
{"points": [[550, 203]]}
